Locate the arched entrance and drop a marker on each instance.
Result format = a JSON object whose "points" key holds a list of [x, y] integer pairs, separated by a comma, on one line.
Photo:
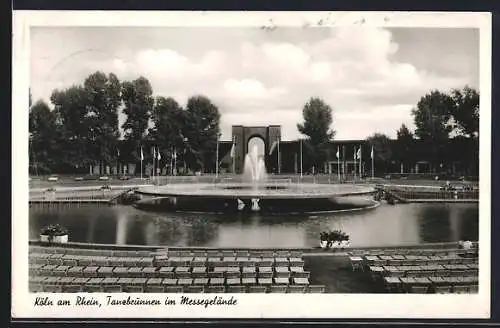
{"points": [[259, 144], [241, 137]]}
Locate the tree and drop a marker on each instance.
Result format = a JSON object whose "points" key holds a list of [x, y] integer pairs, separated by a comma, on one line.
{"points": [[200, 133], [432, 116], [104, 99], [382, 152], [76, 138], [466, 116], [404, 145], [43, 136], [138, 103], [432, 120], [168, 123], [466, 111], [318, 119]]}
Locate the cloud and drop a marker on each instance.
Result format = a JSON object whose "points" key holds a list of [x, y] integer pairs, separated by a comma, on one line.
{"points": [[259, 80]]}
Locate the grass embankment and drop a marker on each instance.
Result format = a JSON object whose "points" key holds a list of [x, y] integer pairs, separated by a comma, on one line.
{"points": [[336, 274]]}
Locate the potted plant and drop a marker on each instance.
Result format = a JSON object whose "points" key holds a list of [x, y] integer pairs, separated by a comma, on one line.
{"points": [[334, 239], [54, 233]]}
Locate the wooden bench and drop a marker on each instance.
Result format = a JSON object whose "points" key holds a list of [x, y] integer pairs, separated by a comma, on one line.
{"points": [[238, 289], [315, 289], [257, 289], [296, 289], [215, 289], [278, 289], [193, 289]]}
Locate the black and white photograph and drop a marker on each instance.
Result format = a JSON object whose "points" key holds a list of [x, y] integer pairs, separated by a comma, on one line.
{"points": [[205, 158]]}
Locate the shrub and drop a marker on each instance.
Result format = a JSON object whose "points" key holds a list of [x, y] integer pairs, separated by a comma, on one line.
{"points": [[54, 230]]}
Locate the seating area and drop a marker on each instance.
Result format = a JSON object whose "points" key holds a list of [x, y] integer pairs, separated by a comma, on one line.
{"points": [[63, 269], [422, 271]]}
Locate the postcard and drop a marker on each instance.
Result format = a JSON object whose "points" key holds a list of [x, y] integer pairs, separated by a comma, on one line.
{"points": [[251, 165]]}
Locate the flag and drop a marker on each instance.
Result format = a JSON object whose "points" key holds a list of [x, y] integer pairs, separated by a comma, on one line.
{"points": [[159, 156], [232, 151], [142, 155], [273, 146], [154, 153], [371, 154], [338, 153], [355, 153], [358, 154]]}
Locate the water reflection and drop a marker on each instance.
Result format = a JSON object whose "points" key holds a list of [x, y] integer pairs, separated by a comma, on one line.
{"points": [[434, 223], [386, 225], [469, 225], [121, 228]]}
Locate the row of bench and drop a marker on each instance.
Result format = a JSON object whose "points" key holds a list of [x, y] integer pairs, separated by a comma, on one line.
{"points": [[128, 288], [431, 284], [160, 252], [361, 263], [167, 281], [424, 271], [457, 289], [84, 260], [167, 272], [415, 251], [420, 271]]}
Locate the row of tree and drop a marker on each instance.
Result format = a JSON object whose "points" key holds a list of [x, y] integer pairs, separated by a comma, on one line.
{"points": [[83, 129], [438, 117]]}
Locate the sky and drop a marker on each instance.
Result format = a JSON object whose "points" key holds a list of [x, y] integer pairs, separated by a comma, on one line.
{"points": [[371, 77]]}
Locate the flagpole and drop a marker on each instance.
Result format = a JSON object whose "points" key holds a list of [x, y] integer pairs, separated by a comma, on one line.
{"points": [[343, 162], [174, 169], [158, 158], [233, 157], [301, 158], [360, 163], [172, 161], [373, 166], [338, 162], [217, 158], [279, 168], [355, 163]]}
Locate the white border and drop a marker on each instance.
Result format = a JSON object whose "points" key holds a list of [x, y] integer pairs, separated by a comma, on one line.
{"points": [[249, 305]]}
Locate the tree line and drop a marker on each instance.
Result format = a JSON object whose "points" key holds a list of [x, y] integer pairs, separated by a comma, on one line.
{"points": [[83, 129], [439, 118]]}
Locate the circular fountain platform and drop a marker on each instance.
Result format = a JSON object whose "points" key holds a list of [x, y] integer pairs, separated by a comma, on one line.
{"points": [[266, 198]]}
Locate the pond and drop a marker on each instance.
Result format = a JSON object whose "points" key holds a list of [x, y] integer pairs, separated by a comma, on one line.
{"points": [[402, 224]]}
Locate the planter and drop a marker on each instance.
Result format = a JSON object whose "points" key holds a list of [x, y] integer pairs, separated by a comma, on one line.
{"points": [[55, 239]]}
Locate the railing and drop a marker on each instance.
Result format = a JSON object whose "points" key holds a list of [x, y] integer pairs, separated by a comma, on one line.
{"points": [[408, 194], [104, 194], [412, 195], [206, 178]]}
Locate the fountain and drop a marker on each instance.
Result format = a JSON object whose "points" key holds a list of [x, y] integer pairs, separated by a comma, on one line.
{"points": [[254, 169], [256, 193]]}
